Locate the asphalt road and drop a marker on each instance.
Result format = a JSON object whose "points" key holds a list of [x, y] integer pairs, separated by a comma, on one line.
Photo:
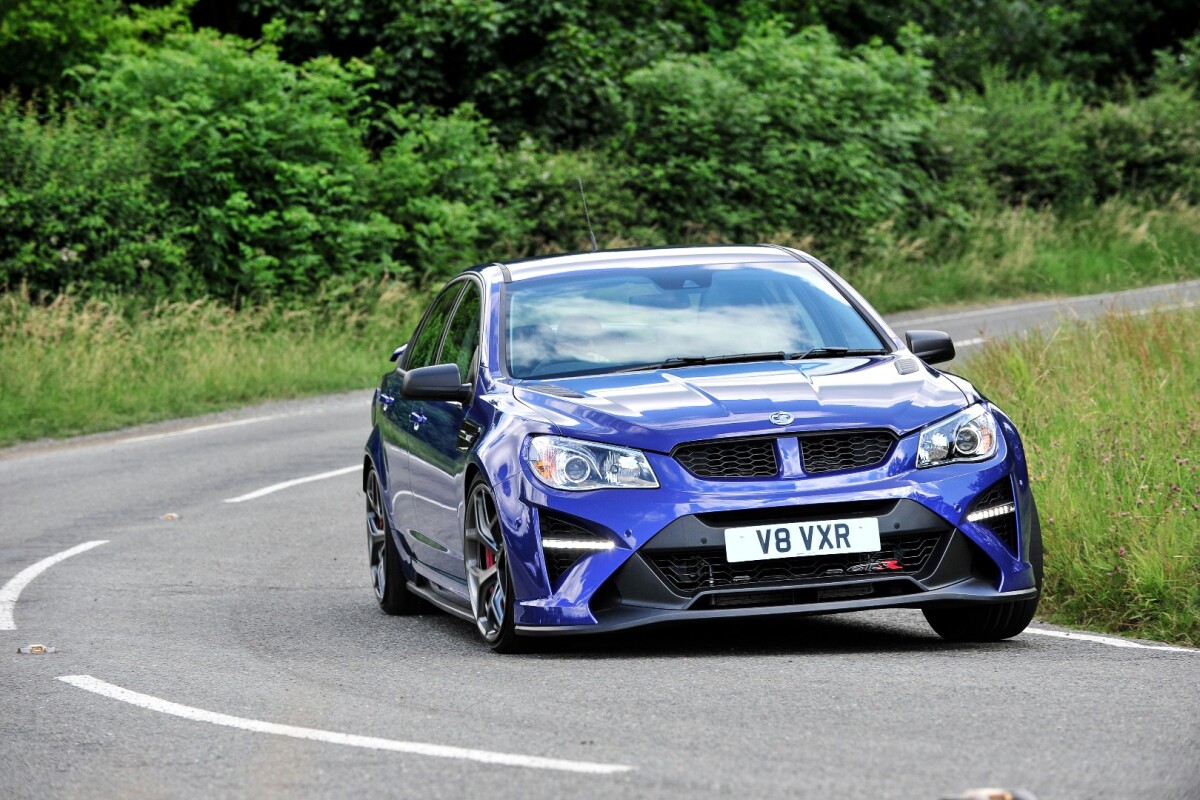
{"points": [[234, 649]]}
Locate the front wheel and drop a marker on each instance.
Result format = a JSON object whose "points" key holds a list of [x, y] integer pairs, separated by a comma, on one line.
{"points": [[997, 621], [489, 581]]}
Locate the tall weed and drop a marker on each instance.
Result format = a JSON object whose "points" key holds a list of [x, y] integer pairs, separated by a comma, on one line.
{"points": [[1110, 422]]}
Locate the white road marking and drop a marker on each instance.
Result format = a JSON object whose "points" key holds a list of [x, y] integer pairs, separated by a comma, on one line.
{"points": [[1061, 304], [12, 590], [296, 482], [332, 737], [200, 428], [1110, 641], [961, 343]]}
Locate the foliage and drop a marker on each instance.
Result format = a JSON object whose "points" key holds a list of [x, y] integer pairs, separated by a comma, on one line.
{"points": [[43, 41], [785, 133], [78, 206], [263, 159], [1112, 401], [75, 364], [1028, 147]]}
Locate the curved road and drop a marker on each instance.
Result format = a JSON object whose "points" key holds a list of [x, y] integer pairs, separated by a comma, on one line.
{"points": [[225, 649]]}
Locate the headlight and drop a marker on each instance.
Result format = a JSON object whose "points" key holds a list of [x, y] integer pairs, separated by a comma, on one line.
{"points": [[969, 435], [578, 466]]}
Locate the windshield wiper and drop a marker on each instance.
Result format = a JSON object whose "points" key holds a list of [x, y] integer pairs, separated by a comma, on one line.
{"points": [[688, 361], [834, 352]]}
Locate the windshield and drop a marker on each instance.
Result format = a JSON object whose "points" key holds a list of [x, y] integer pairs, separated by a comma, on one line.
{"points": [[640, 318]]}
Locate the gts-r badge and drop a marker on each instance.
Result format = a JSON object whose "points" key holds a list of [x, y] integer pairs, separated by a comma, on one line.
{"points": [[875, 566]]}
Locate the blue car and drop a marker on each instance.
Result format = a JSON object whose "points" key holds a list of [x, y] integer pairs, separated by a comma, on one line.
{"points": [[588, 443]]}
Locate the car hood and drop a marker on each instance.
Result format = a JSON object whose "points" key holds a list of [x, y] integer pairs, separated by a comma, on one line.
{"points": [[659, 409]]}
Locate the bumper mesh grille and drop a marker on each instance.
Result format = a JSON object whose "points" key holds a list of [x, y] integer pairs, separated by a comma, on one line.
{"points": [[755, 458], [690, 571], [745, 458], [834, 452]]}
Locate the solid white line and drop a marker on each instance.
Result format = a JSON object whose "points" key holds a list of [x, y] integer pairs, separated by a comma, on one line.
{"points": [[1110, 641], [12, 590], [288, 484], [961, 343], [200, 429], [332, 737]]}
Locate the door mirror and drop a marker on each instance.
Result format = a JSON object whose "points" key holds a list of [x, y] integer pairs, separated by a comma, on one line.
{"points": [[932, 347], [399, 352], [438, 382]]}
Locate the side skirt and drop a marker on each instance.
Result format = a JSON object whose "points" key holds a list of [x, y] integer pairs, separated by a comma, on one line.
{"points": [[441, 602]]}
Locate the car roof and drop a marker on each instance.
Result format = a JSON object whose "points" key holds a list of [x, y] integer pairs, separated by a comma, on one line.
{"points": [[644, 257]]}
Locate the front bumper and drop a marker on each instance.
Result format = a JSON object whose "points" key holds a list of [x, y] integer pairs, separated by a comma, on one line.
{"points": [[667, 559]]}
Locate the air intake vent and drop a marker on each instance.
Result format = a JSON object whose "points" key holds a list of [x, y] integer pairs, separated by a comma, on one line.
{"points": [[744, 458], [691, 571], [840, 451], [906, 366], [999, 496], [579, 542]]}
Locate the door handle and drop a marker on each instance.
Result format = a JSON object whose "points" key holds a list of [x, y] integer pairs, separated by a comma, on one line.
{"points": [[417, 419], [386, 400]]}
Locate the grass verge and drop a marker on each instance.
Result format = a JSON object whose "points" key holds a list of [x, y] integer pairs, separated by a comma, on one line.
{"points": [[1110, 420], [74, 366], [1017, 252]]}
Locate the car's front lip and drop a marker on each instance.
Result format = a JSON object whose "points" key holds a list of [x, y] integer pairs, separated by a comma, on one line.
{"points": [[971, 590]]}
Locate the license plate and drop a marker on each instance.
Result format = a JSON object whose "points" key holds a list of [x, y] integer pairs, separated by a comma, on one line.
{"points": [[798, 539]]}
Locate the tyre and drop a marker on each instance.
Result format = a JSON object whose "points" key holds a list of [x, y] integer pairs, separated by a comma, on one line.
{"points": [[996, 621], [387, 576], [489, 579]]}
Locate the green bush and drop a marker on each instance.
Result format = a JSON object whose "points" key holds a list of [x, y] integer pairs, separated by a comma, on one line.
{"points": [[78, 206], [264, 159], [1146, 145], [784, 135], [1027, 139]]}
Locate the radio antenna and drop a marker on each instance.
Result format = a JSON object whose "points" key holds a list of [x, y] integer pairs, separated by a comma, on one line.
{"points": [[588, 216]]}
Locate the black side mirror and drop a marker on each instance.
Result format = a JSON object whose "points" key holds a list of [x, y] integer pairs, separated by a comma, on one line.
{"points": [[439, 382], [932, 347], [398, 352]]}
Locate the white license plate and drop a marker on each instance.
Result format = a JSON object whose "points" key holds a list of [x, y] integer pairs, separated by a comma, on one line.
{"points": [[797, 539]]}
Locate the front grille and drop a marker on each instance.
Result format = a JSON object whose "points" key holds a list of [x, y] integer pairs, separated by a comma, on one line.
{"points": [[834, 452], [742, 458], [1005, 525], [690, 571]]}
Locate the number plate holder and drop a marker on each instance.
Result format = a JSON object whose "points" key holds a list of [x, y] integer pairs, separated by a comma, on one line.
{"points": [[801, 539]]}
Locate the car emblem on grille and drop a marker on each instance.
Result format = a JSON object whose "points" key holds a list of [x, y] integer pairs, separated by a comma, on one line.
{"points": [[781, 418]]}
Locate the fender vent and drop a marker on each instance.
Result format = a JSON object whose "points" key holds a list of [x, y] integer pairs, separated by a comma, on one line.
{"points": [[906, 366], [550, 388]]}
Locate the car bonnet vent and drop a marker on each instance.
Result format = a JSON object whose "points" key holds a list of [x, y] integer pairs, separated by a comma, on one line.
{"points": [[550, 388], [906, 366]]}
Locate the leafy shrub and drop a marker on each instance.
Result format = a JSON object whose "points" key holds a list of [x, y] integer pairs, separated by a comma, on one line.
{"points": [[540, 195], [438, 181], [264, 159], [78, 206], [1026, 139], [1146, 145], [784, 134]]}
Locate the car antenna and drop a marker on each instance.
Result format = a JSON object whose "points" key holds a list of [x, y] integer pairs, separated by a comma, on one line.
{"points": [[595, 248]]}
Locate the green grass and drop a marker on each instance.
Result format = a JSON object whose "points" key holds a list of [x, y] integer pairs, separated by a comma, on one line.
{"points": [[1111, 421], [76, 366], [1022, 252]]}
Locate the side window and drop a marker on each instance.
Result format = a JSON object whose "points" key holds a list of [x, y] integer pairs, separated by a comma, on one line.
{"points": [[462, 338], [423, 350]]}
